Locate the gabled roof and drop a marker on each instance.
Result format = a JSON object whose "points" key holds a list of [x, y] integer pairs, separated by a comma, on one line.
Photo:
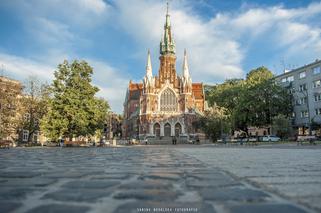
{"points": [[135, 90]]}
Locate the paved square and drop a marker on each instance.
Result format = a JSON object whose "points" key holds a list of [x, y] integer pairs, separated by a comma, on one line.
{"points": [[161, 179]]}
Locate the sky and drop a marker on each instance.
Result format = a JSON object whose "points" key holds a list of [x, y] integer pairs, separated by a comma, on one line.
{"points": [[224, 38]]}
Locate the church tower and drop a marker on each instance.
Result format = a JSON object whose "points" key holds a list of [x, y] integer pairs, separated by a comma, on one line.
{"points": [[167, 70]]}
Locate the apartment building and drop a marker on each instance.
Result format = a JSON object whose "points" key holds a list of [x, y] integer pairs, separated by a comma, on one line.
{"points": [[304, 83]]}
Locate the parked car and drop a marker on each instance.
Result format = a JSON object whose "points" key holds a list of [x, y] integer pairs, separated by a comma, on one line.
{"points": [[310, 138], [184, 138], [270, 138]]}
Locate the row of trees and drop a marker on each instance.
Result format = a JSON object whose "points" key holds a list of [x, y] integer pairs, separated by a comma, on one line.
{"points": [[238, 104], [66, 108]]}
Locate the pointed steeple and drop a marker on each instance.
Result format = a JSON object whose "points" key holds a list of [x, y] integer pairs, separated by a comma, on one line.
{"points": [[185, 66], [149, 73], [167, 44]]}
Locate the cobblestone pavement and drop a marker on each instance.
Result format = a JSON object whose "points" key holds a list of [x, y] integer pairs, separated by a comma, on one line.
{"points": [[290, 171], [159, 179]]}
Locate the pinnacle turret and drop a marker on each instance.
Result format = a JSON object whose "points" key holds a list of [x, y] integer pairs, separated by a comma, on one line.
{"points": [[186, 78], [185, 66], [149, 73]]}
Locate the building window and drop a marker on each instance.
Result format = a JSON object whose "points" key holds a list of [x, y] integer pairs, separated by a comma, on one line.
{"points": [[26, 117], [316, 70], [302, 87], [287, 79], [316, 83], [304, 114], [318, 111], [317, 97], [168, 101], [302, 74], [35, 136], [293, 114], [301, 101], [25, 135], [292, 90]]}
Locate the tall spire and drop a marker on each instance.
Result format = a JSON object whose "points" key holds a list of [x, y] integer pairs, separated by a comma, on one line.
{"points": [[167, 6], [167, 44], [185, 66], [149, 73]]}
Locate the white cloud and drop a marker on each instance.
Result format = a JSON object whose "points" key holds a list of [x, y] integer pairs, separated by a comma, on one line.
{"points": [[86, 13], [111, 82], [50, 32], [22, 68], [96, 6]]}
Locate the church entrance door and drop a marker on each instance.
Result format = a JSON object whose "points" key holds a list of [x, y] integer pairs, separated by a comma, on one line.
{"points": [[178, 129], [157, 130], [167, 130]]}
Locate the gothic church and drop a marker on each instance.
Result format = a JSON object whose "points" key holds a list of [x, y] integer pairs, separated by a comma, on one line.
{"points": [[167, 104]]}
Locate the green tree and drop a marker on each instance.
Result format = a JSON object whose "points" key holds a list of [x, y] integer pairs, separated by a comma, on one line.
{"points": [[73, 109], [33, 106], [254, 101], [281, 126], [225, 95], [261, 99], [214, 122]]}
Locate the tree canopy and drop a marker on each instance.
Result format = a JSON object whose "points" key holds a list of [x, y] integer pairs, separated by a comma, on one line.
{"points": [[73, 109], [254, 101]]}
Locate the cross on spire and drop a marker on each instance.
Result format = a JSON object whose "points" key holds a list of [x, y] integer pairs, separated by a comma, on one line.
{"points": [[167, 7]]}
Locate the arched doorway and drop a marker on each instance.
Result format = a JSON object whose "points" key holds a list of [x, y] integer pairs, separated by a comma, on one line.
{"points": [[178, 129], [167, 130], [157, 130]]}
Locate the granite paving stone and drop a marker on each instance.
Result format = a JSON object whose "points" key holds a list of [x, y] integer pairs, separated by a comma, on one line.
{"points": [[15, 193], [19, 174], [29, 182], [231, 193], [196, 183], [146, 184], [148, 194], [166, 176], [90, 184], [9, 206], [57, 208], [265, 208], [86, 195]]}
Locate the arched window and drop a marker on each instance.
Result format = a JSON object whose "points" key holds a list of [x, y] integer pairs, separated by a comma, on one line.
{"points": [[168, 101]]}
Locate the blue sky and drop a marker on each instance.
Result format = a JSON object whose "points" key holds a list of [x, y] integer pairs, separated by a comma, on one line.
{"points": [[224, 38]]}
